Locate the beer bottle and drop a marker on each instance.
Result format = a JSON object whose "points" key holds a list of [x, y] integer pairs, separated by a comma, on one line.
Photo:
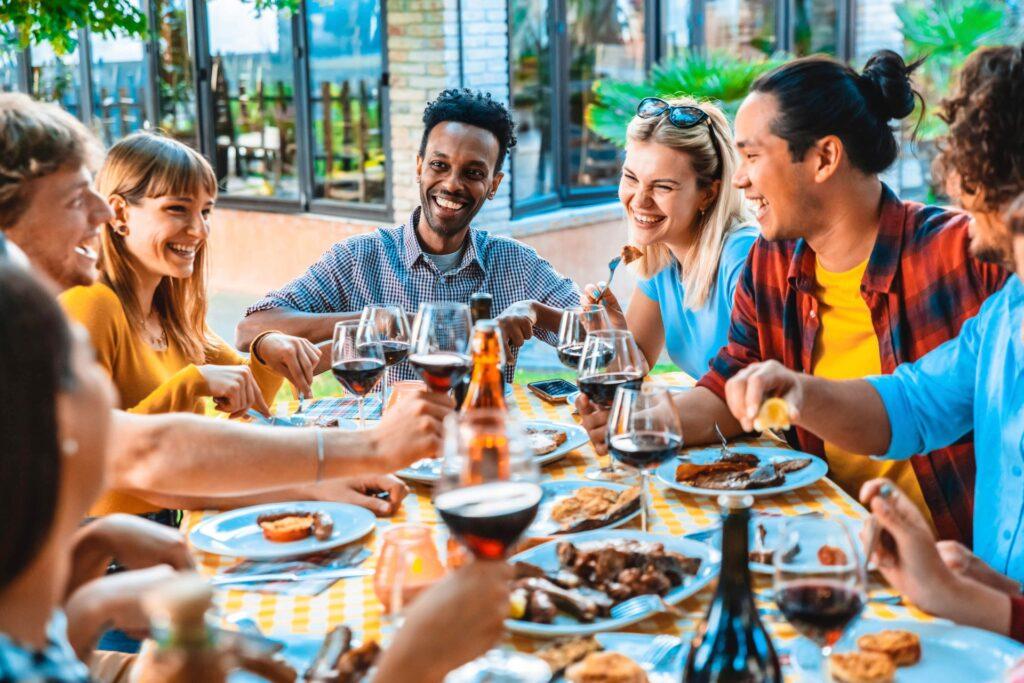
{"points": [[182, 650], [732, 646], [486, 388], [480, 308]]}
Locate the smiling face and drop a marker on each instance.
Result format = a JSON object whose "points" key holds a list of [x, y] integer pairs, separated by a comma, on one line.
{"points": [[165, 234], [660, 194], [456, 175], [782, 191], [59, 228]]}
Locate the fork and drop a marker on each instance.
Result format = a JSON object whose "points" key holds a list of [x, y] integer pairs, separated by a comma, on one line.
{"points": [[612, 265], [659, 651], [642, 604]]}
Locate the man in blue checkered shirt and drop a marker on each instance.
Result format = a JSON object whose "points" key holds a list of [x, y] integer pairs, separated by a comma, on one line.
{"points": [[435, 255]]}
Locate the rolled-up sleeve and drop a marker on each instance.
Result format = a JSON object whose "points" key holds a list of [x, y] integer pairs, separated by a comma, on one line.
{"points": [[930, 403]]}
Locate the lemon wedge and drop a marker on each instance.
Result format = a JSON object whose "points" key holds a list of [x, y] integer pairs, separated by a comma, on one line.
{"points": [[774, 414]]}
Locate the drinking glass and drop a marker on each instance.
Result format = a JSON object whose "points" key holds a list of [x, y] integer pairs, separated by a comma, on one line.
{"points": [[573, 329], [610, 359], [488, 495], [408, 564], [819, 582], [357, 361], [643, 432], [390, 324], [440, 344]]}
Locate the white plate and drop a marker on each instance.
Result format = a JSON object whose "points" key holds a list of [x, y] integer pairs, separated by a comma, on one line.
{"points": [[545, 557], [427, 471], [948, 652], [555, 491], [811, 541], [236, 533], [666, 472]]}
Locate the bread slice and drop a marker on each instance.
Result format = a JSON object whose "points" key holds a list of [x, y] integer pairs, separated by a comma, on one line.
{"points": [[287, 529], [606, 667], [861, 667], [902, 647]]}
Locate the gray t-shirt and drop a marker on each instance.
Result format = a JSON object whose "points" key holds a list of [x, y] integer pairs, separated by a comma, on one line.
{"points": [[445, 262]]}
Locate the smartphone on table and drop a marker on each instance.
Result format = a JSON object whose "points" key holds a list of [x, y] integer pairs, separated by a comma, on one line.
{"points": [[553, 390]]}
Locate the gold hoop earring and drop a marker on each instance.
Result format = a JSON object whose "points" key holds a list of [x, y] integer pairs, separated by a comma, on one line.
{"points": [[122, 230]]}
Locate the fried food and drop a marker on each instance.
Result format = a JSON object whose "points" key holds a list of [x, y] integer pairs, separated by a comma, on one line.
{"points": [[606, 667], [287, 527], [902, 647], [591, 507], [830, 556], [737, 472], [561, 654], [861, 667], [544, 440], [630, 254], [338, 662], [774, 414]]}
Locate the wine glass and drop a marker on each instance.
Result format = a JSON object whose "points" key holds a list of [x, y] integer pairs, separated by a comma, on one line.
{"points": [[610, 359], [408, 564], [643, 432], [819, 581], [440, 344], [357, 361], [488, 495], [391, 325], [573, 329]]}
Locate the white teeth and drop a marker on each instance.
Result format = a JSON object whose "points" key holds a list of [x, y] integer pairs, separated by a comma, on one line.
{"points": [[87, 252], [182, 251], [646, 219], [444, 203]]}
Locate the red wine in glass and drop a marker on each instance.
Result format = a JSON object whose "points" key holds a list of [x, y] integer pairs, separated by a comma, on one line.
{"points": [[394, 351], [819, 609], [644, 449], [601, 388], [489, 518], [359, 376], [441, 371]]}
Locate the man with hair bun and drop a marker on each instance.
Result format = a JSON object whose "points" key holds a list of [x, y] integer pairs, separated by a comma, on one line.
{"points": [[436, 255], [846, 280]]}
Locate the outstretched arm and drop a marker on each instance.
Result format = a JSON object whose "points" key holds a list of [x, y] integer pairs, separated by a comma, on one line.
{"points": [[316, 327]]}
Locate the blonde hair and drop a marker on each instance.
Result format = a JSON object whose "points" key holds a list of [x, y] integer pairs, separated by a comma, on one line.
{"points": [[150, 165], [712, 159]]}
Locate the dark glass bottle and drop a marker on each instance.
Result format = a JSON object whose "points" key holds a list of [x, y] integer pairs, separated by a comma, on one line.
{"points": [[480, 308], [732, 646]]}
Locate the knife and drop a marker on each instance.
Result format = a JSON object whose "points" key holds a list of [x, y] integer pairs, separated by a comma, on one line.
{"points": [[227, 579]]}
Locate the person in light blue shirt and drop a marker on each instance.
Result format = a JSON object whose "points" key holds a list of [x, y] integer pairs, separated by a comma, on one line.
{"points": [[690, 228]]}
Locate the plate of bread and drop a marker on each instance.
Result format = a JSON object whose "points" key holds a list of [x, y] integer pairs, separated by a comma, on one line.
{"points": [[278, 530]]}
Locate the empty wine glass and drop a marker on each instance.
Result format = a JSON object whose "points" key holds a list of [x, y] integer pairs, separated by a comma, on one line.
{"points": [[819, 582], [643, 432], [573, 328], [391, 326], [357, 361], [440, 343]]}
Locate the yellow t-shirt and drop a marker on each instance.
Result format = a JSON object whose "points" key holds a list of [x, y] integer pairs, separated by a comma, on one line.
{"points": [[148, 381], [847, 348]]}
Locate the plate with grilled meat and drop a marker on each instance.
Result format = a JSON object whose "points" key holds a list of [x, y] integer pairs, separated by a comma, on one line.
{"points": [[741, 469], [571, 506], [550, 441], [278, 530], [571, 587]]}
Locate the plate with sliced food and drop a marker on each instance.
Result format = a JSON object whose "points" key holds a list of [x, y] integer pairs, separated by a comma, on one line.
{"points": [[741, 469], [550, 441], [570, 506], [909, 651], [604, 580], [278, 530], [766, 536]]}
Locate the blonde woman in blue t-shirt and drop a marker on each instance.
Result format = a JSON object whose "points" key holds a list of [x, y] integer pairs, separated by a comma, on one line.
{"points": [[691, 227]]}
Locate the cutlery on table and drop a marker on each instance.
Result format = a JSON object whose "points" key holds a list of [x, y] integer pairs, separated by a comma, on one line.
{"points": [[641, 604], [227, 580], [661, 650]]}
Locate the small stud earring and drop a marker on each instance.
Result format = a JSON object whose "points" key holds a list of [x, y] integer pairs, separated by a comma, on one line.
{"points": [[69, 447]]}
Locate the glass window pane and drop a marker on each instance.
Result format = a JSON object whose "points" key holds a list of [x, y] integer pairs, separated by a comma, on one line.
{"points": [[815, 27], [878, 27], [345, 64], [254, 105], [118, 87], [530, 52], [606, 41], [9, 62], [56, 78], [743, 27], [177, 96], [675, 22]]}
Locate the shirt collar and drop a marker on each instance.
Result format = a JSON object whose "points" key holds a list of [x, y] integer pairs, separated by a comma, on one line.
{"points": [[884, 259], [413, 250]]}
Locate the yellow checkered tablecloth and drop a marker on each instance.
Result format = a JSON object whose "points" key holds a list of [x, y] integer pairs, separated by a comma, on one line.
{"points": [[353, 602]]}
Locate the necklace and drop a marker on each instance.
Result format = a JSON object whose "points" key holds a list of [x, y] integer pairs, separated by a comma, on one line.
{"points": [[158, 342]]}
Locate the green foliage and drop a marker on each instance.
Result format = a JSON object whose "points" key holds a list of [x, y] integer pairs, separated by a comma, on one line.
{"points": [[944, 32], [57, 21], [719, 77]]}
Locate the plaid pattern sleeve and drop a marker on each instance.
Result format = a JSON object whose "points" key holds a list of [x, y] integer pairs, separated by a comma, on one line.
{"points": [[54, 663], [921, 285]]}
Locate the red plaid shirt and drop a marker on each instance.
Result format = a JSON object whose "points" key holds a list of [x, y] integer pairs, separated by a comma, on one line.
{"points": [[921, 285]]}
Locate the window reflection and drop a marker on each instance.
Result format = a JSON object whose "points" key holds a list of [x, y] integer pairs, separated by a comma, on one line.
{"points": [[254, 105], [606, 41], [176, 88], [742, 27], [815, 27], [530, 53], [56, 78], [675, 21], [345, 65], [118, 87]]}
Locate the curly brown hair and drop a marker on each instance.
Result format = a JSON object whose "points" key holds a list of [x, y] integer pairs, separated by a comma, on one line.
{"points": [[985, 144]]}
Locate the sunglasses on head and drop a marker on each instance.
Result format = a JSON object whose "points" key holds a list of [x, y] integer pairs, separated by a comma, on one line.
{"points": [[680, 116]]}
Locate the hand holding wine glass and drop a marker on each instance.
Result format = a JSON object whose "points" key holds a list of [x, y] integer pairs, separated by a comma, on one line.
{"points": [[391, 326], [575, 325], [440, 344], [357, 361]]}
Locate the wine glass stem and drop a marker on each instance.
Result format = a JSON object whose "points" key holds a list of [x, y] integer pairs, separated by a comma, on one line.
{"points": [[384, 391], [643, 500], [362, 424]]}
